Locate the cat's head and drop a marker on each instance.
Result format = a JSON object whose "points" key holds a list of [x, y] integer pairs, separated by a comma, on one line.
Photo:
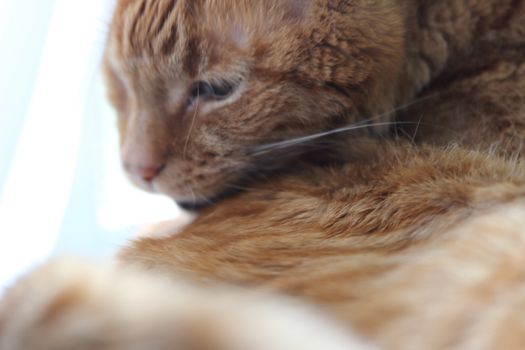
{"points": [[199, 85]]}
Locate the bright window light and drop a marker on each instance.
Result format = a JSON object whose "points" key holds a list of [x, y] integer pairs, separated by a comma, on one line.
{"points": [[61, 186], [37, 188], [122, 205]]}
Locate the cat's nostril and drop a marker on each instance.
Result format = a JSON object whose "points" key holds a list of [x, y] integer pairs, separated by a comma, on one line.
{"points": [[146, 173]]}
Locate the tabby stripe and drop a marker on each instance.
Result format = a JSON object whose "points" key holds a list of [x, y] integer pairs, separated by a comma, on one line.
{"points": [[151, 16], [192, 57], [192, 52], [167, 29], [133, 33], [164, 12]]}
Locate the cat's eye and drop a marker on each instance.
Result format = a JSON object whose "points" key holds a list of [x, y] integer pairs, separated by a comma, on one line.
{"points": [[209, 91]]}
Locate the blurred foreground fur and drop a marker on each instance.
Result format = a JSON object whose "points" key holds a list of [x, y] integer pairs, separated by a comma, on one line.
{"points": [[415, 248], [409, 244]]}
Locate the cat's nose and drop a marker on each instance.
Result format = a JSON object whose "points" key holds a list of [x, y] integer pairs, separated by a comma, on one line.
{"points": [[142, 160], [145, 172]]}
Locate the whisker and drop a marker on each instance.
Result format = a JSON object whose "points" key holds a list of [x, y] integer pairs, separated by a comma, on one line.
{"points": [[417, 127], [191, 128], [300, 140], [240, 188], [202, 198], [194, 198], [410, 137], [258, 173], [366, 123]]}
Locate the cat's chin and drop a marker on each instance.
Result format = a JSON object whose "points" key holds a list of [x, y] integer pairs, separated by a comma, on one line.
{"points": [[188, 200], [192, 206], [198, 205]]}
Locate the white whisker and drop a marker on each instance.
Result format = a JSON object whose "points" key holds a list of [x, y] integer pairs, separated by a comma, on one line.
{"points": [[304, 139], [417, 128], [410, 137], [360, 125], [191, 129]]}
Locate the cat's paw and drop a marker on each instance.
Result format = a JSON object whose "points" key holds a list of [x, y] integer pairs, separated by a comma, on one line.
{"points": [[68, 304]]}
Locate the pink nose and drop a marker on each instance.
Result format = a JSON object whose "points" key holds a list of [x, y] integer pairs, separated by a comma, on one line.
{"points": [[146, 172], [142, 159]]}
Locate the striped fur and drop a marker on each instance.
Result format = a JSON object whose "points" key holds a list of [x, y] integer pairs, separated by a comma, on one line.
{"points": [[404, 244], [298, 67]]}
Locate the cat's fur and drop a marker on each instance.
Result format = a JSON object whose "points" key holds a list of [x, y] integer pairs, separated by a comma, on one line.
{"points": [[412, 248], [409, 246], [298, 67]]}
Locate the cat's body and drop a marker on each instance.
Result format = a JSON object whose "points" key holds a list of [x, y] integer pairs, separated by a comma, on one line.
{"points": [[403, 245], [413, 248]]}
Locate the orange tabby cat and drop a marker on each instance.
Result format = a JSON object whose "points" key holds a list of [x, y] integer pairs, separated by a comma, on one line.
{"points": [[402, 246], [200, 86]]}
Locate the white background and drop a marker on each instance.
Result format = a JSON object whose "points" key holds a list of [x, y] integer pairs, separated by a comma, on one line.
{"points": [[61, 187]]}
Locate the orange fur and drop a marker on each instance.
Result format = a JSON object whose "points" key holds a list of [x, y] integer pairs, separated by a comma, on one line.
{"points": [[412, 238], [410, 244], [299, 69]]}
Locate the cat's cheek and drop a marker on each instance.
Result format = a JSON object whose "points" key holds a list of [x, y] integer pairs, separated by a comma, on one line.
{"points": [[175, 192], [177, 186], [185, 190], [196, 184]]}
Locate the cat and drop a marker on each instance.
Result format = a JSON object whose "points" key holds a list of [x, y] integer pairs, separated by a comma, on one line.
{"points": [[197, 92], [405, 244], [413, 247], [201, 86]]}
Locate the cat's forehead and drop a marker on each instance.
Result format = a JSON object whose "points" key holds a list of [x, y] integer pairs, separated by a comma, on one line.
{"points": [[145, 28], [164, 34], [190, 27]]}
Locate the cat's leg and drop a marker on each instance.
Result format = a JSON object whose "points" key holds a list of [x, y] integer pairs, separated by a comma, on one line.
{"points": [[67, 304]]}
